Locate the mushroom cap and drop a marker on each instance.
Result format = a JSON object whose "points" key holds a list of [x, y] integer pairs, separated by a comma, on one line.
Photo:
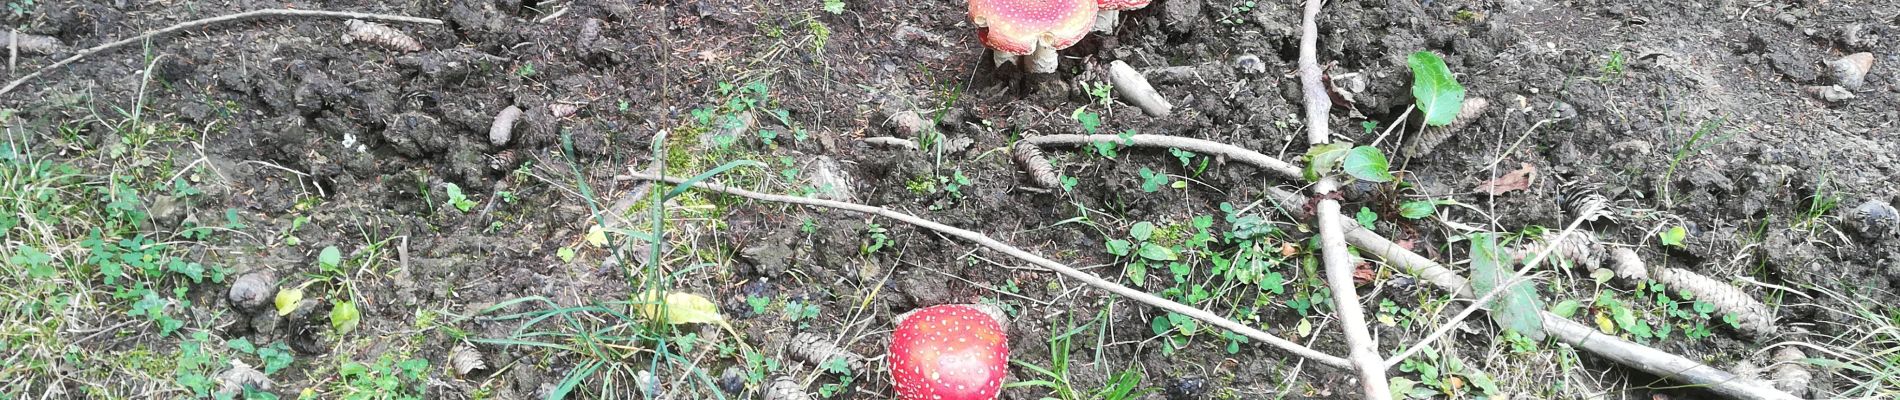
{"points": [[949, 352], [1120, 5], [1018, 26]]}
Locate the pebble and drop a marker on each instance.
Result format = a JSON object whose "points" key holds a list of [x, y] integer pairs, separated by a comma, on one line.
{"points": [[1249, 64], [1187, 388], [1876, 219], [1832, 94], [253, 290], [1851, 71], [732, 380]]}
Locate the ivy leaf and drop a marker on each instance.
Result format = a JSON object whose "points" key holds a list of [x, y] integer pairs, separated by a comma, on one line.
{"points": [[1436, 92], [1321, 160], [1157, 252], [344, 316], [1517, 308], [679, 308], [1365, 163]]}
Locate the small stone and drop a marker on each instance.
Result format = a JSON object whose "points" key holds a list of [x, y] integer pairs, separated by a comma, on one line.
{"points": [[1851, 71], [1187, 388], [253, 290], [829, 180], [1785, 19], [1249, 64], [1832, 94], [1875, 219], [732, 380]]}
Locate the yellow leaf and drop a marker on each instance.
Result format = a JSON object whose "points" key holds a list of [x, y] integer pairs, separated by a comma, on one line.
{"points": [[680, 308], [596, 236], [1305, 328], [1604, 324], [287, 300]]}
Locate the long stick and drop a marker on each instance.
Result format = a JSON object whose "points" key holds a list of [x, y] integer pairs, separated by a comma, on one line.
{"points": [[1644, 358], [993, 244], [1361, 348], [275, 12]]}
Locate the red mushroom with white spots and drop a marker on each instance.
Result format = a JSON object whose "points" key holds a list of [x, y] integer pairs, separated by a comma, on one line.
{"points": [[1111, 12], [949, 352], [1032, 29]]}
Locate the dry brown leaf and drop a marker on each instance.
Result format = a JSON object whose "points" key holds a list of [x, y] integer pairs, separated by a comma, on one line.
{"points": [[1515, 180], [465, 359]]}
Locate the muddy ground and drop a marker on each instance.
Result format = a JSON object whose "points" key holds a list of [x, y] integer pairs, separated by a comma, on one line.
{"points": [[362, 142]]}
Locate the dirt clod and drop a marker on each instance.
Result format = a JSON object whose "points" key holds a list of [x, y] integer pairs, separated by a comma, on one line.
{"points": [[252, 291]]}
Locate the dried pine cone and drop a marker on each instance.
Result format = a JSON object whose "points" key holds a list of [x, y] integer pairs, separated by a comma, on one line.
{"points": [[381, 35], [1041, 173]]}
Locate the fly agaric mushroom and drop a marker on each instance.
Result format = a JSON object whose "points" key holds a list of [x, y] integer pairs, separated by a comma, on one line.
{"points": [[1032, 28], [1111, 12], [949, 352]]}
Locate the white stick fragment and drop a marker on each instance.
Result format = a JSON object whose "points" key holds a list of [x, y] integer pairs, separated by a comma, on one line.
{"points": [[887, 141], [1361, 348], [381, 35], [1041, 61], [1135, 89]]}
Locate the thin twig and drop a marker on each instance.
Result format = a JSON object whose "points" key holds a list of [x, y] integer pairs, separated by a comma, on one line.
{"points": [[1286, 171], [275, 12], [993, 244], [1361, 348], [1577, 335]]}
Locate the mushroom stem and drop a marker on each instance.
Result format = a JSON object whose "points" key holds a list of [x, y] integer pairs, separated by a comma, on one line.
{"points": [[1105, 20], [1002, 57], [1041, 61]]}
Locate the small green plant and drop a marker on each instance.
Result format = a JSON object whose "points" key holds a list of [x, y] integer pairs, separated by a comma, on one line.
{"points": [[1239, 13], [1438, 377], [1362, 162], [1151, 181], [456, 199], [1102, 92], [834, 7], [526, 70], [1673, 236], [387, 378], [1613, 66], [877, 238], [20, 7], [1690, 148], [1435, 91]]}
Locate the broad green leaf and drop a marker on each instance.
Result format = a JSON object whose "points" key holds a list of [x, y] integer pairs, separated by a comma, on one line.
{"points": [[1119, 247], [565, 253], [1566, 308], [1483, 381], [1157, 252], [1142, 231], [1418, 209], [330, 257], [1365, 163], [1673, 236], [344, 317], [1437, 93], [680, 308], [1137, 272], [1518, 307], [287, 300], [1322, 159]]}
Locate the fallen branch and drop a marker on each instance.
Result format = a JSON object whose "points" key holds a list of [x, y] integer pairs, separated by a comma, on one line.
{"points": [[1135, 88], [1065, 270], [275, 12], [1577, 335], [1361, 348]]}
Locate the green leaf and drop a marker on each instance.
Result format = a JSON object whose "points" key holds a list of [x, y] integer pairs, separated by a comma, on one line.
{"points": [[1142, 231], [330, 257], [1517, 308], [287, 299], [1157, 252], [565, 253], [1137, 272], [1365, 163], [688, 183], [344, 317], [1119, 247], [1673, 236], [1366, 217], [680, 308], [1418, 209], [1437, 93], [1322, 159], [1566, 308]]}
